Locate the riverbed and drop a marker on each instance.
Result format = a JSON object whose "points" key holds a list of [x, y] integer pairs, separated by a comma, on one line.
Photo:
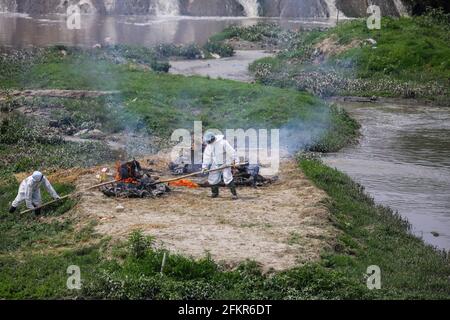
{"points": [[403, 161]]}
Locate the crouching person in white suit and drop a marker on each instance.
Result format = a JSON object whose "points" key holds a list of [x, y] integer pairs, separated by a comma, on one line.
{"points": [[219, 153], [30, 192]]}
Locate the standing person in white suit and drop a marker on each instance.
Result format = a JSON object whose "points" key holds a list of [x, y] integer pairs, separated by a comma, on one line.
{"points": [[219, 153], [30, 192]]}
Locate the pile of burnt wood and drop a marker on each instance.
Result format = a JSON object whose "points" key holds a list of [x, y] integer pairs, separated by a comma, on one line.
{"points": [[134, 182]]}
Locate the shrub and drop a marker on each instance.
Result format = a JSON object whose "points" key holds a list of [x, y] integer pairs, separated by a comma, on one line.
{"points": [[191, 51], [139, 244], [222, 49], [160, 66]]}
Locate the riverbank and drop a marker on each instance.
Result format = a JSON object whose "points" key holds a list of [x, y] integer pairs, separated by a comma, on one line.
{"points": [[157, 103], [146, 103], [406, 58]]}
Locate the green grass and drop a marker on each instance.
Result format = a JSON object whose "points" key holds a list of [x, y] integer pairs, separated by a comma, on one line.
{"points": [[162, 103], [411, 58], [34, 255], [375, 235], [409, 49], [369, 235]]}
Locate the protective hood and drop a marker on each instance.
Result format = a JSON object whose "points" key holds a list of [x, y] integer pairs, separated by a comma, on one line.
{"points": [[37, 176]]}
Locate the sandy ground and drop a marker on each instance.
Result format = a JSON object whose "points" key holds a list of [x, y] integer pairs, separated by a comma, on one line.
{"points": [[233, 68], [279, 226]]}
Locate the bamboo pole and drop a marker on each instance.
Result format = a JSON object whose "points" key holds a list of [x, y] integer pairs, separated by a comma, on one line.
{"points": [[113, 181], [68, 196]]}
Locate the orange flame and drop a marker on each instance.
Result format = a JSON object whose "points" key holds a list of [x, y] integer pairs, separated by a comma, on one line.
{"points": [[118, 178], [184, 183]]}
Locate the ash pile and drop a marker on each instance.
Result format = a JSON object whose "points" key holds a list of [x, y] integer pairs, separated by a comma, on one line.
{"points": [[134, 182], [247, 175]]}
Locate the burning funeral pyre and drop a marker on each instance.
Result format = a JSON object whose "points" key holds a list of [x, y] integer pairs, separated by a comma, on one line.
{"points": [[246, 175], [132, 181]]}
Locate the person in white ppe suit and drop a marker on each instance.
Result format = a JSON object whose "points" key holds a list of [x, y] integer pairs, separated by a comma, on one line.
{"points": [[219, 153], [30, 192]]}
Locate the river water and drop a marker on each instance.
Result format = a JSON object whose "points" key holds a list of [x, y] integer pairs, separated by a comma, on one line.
{"points": [[19, 30], [403, 158], [403, 161]]}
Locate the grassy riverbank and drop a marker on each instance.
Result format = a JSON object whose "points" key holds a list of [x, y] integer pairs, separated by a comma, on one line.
{"points": [[34, 254], [407, 58], [161, 103]]}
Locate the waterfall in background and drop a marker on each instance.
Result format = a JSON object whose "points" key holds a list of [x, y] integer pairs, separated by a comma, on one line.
{"points": [[401, 8], [8, 6], [251, 7], [332, 9], [166, 8], [110, 5]]}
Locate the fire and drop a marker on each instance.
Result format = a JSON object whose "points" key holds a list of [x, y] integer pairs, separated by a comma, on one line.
{"points": [[184, 183], [119, 177]]}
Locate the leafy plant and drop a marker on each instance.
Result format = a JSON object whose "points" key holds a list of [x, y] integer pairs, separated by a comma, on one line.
{"points": [[139, 244]]}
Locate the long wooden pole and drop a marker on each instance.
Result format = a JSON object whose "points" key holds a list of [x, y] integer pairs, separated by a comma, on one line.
{"points": [[113, 181], [68, 196], [197, 173]]}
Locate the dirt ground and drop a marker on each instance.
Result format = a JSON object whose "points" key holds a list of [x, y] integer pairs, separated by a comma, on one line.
{"points": [[233, 68], [279, 226]]}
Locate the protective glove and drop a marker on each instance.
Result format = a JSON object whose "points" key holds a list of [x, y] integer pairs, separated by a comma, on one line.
{"points": [[204, 170]]}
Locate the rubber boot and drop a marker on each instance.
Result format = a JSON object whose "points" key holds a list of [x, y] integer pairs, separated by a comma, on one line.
{"points": [[215, 191], [12, 209], [232, 187], [37, 212]]}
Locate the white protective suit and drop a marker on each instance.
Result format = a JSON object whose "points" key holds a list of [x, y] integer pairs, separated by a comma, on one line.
{"points": [[30, 191], [216, 155]]}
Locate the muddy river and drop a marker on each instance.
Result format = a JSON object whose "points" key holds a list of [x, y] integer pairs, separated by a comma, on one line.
{"points": [[403, 160], [21, 30]]}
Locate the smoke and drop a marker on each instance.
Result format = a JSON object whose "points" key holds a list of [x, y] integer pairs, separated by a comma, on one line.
{"points": [[300, 134]]}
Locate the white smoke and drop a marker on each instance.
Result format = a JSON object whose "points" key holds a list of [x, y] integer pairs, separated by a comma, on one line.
{"points": [[166, 8], [251, 7], [401, 8]]}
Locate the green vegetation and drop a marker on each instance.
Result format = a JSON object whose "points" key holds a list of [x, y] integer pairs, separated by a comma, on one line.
{"points": [[161, 103], [34, 256], [369, 235], [375, 235], [138, 276], [407, 49], [24, 147], [35, 253], [408, 57]]}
